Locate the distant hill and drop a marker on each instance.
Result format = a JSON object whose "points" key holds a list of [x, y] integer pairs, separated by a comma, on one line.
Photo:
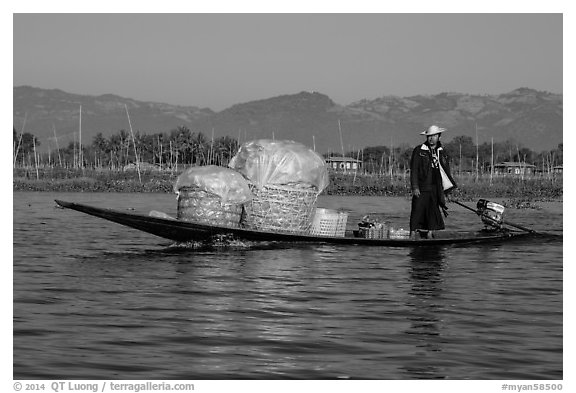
{"points": [[532, 118]]}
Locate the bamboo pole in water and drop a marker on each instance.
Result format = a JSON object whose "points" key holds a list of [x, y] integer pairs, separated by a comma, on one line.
{"points": [[134, 143], [57, 145], [19, 140], [492, 161], [460, 162], [341, 145], [522, 168], [171, 157], [356, 170], [160, 149], [211, 155], [80, 156], [391, 159], [74, 153], [35, 157], [476, 126]]}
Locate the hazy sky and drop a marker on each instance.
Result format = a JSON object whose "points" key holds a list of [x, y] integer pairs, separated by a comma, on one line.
{"points": [[217, 60]]}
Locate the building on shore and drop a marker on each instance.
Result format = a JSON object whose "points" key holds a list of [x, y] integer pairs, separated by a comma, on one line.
{"points": [[514, 168], [343, 163]]}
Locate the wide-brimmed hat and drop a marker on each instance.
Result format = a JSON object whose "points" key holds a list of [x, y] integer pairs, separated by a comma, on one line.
{"points": [[433, 130]]}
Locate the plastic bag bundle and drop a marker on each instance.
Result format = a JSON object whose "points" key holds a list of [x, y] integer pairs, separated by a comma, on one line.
{"points": [[280, 162], [212, 195], [230, 186]]}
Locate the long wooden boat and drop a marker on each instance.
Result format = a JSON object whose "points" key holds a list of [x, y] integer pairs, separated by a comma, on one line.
{"points": [[183, 231]]}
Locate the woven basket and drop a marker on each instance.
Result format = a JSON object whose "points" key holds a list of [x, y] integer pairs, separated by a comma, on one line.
{"points": [[280, 208], [196, 205], [327, 222]]}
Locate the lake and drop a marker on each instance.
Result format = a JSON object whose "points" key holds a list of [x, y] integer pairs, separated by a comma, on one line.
{"points": [[96, 300]]}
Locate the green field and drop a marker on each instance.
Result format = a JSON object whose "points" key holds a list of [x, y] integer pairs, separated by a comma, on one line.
{"points": [[515, 189]]}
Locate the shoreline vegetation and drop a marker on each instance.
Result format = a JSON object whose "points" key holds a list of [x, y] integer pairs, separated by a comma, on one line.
{"points": [[520, 192]]}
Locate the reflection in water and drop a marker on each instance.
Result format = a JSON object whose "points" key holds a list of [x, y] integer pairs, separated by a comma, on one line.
{"points": [[251, 311], [426, 266]]}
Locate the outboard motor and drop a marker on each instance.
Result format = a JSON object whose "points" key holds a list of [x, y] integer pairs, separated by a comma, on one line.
{"points": [[490, 213]]}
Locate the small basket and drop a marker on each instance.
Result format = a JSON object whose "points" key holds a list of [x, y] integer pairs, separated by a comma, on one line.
{"points": [[376, 231], [280, 208], [399, 233], [327, 222], [196, 205]]}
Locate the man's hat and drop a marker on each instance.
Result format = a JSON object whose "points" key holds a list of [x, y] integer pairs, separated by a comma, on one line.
{"points": [[433, 130]]}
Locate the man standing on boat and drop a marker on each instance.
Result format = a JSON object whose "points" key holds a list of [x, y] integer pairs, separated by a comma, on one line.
{"points": [[430, 180]]}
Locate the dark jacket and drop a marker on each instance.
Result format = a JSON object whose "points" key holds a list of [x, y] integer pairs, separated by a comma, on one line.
{"points": [[424, 177]]}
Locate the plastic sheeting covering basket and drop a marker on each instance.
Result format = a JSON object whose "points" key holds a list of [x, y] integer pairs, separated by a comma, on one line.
{"points": [[328, 222], [280, 208], [196, 205]]}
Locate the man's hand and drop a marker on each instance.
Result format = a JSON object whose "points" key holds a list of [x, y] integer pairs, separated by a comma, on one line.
{"points": [[416, 193]]}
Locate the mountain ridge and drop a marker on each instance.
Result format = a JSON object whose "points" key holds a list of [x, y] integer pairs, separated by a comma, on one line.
{"points": [[530, 117]]}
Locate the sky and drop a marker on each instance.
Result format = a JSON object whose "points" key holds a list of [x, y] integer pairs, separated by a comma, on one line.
{"points": [[218, 60]]}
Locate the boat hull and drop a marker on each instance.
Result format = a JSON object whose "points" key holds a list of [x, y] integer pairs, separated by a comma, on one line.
{"points": [[183, 231]]}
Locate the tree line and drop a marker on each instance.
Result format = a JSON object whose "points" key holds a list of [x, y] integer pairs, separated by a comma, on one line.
{"points": [[181, 146], [466, 156]]}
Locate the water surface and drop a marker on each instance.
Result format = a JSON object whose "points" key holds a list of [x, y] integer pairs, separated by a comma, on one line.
{"points": [[95, 300]]}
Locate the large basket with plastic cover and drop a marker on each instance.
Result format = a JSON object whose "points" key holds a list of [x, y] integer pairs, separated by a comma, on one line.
{"points": [[285, 178], [280, 208], [211, 195]]}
